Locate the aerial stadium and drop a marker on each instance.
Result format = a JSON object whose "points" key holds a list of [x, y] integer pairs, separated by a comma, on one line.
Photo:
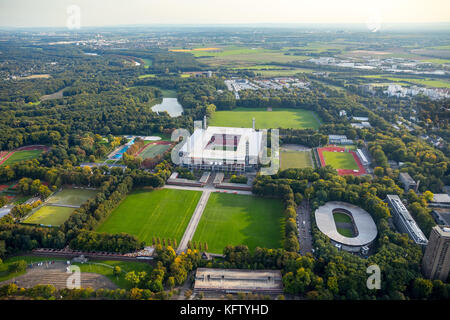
{"points": [[223, 149], [349, 227]]}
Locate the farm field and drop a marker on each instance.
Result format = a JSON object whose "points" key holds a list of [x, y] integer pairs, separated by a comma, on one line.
{"points": [[163, 213], [340, 160], [427, 82], [153, 150], [295, 159], [244, 56], [24, 155], [50, 216], [278, 118], [72, 197], [231, 219]]}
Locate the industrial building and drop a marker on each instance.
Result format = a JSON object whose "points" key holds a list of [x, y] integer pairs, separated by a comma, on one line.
{"points": [[436, 260], [223, 149], [237, 280], [404, 221]]}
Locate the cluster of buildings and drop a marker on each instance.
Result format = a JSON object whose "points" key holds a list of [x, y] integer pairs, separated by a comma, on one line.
{"points": [[395, 90], [392, 65]]}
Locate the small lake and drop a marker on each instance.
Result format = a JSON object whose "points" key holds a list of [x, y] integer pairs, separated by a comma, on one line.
{"points": [[171, 105]]}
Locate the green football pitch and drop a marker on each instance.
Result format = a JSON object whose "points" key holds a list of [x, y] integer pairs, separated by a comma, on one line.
{"points": [[72, 197], [153, 150], [340, 160], [295, 159], [50, 216], [277, 118], [22, 156], [163, 213], [231, 219]]}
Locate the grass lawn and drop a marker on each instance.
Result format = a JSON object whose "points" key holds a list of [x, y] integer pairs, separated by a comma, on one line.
{"points": [[106, 268], [23, 156], [49, 215], [5, 275], [231, 219], [341, 217], [340, 160], [163, 213], [73, 197], [278, 118], [295, 159], [153, 150]]}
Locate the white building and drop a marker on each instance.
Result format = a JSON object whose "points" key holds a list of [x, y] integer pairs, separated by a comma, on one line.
{"points": [[223, 149]]}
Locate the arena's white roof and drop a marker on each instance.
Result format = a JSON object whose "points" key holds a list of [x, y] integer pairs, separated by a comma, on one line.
{"points": [[196, 145], [367, 230]]}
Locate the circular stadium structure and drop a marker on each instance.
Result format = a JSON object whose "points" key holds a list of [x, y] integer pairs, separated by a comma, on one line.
{"points": [[364, 230]]}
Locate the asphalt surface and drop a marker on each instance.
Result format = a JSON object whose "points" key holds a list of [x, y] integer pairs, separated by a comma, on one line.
{"points": [[304, 228]]}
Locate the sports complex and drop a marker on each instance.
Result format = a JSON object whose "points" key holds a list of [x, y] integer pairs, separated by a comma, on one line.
{"points": [[345, 161], [348, 226]]}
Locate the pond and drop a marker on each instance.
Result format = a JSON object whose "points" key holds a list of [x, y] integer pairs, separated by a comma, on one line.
{"points": [[171, 106]]}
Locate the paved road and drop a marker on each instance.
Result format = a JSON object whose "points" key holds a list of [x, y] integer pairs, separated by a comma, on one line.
{"points": [[304, 228], [192, 226]]}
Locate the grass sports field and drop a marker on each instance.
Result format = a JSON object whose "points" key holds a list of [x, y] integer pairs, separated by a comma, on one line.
{"points": [[340, 160], [278, 118], [231, 219], [50, 215], [341, 217], [163, 213], [153, 150], [72, 197], [345, 232], [22, 156], [295, 159]]}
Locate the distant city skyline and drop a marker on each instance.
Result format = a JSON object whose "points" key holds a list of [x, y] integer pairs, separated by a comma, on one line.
{"points": [[53, 13]]}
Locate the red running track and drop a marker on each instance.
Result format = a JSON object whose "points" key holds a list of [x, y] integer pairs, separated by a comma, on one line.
{"points": [[342, 172]]}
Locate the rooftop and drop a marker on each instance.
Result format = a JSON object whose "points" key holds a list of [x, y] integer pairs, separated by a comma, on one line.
{"points": [[238, 280], [367, 230]]}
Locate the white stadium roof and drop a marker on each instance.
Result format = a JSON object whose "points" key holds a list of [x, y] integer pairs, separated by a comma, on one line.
{"points": [[367, 230]]}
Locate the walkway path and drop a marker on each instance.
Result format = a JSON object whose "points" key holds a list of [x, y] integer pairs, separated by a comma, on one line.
{"points": [[192, 226]]}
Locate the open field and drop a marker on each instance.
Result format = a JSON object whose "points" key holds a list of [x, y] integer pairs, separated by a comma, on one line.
{"points": [[72, 197], [24, 155], [244, 56], [163, 213], [426, 82], [153, 150], [231, 219], [106, 268], [340, 160], [295, 159], [50, 216], [5, 274], [278, 118]]}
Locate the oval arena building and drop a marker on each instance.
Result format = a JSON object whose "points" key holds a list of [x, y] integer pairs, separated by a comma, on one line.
{"points": [[360, 229]]}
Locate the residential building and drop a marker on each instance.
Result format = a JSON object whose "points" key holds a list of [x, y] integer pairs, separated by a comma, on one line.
{"points": [[436, 260]]}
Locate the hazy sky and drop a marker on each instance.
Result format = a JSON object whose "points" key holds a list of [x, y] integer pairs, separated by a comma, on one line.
{"points": [[30, 13]]}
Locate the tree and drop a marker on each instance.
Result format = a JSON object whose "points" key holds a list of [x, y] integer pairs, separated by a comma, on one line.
{"points": [[421, 288], [117, 271], [187, 294], [17, 266]]}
